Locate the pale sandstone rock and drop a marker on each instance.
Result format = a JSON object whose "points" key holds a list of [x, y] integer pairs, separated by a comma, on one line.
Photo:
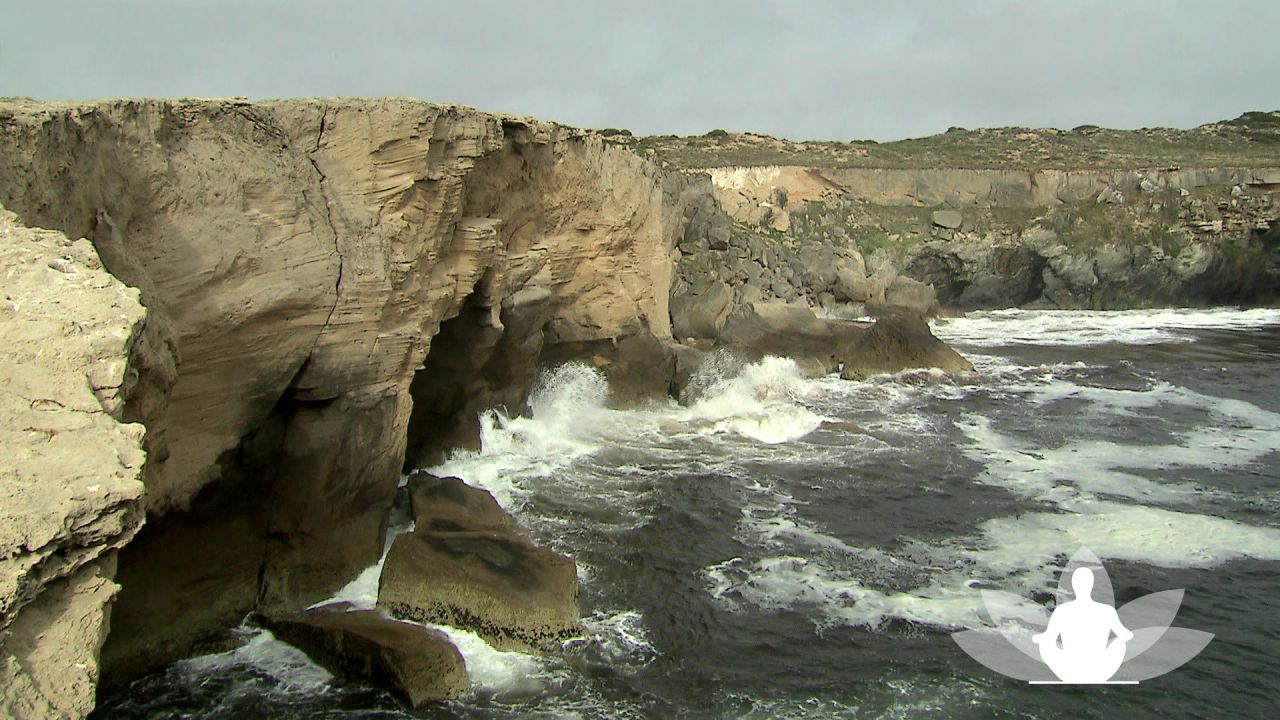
{"points": [[70, 470], [299, 259]]}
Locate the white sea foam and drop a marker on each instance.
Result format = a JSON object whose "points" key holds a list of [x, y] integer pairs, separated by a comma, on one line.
{"points": [[1103, 489], [505, 674], [1016, 554], [618, 640], [760, 402], [569, 417], [836, 596], [1122, 531], [1091, 327], [763, 402], [292, 670], [1235, 433]]}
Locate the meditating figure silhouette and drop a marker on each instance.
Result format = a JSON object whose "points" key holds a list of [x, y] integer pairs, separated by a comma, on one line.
{"points": [[1087, 654]]}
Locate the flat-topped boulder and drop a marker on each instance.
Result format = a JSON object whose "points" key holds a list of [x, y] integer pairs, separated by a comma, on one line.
{"points": [[418, 664], [515, 595]]}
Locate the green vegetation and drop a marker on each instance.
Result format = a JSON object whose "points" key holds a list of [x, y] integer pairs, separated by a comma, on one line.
{"points": [[1251, 140]]}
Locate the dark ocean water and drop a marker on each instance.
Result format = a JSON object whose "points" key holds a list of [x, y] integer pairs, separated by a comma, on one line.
{"points": [[785, 547]]}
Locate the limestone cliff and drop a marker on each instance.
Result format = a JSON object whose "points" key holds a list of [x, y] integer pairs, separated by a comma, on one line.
{"points": [[70, 470], [334, 290], [300, 259], [985, 238]]}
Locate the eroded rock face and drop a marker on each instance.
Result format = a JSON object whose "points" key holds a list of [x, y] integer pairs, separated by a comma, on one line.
{"points": [[418, 664], [70, 469], [299, 259], [702, 312]]}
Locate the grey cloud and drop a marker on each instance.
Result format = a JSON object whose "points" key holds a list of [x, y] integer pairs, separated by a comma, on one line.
{"points": [[813, 69]]}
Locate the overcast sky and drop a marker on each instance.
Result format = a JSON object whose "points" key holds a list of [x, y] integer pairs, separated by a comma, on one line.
{"points": [[804, 70]]}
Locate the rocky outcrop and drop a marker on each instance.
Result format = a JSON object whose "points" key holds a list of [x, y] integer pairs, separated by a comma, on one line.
{"points": [[418, 664], [70, 468], [467, 564], [898, 340], [701, 312], [313, 269], [752, 267], [335, 289], [1041, 269], [447, 504], [992, 238]]}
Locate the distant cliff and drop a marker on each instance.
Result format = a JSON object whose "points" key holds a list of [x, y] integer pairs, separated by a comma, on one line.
{"points": [[1087, 218], [1103, 239]]}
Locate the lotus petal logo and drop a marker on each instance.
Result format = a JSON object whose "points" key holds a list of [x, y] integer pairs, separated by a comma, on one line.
{"points": [[1086, 640]]}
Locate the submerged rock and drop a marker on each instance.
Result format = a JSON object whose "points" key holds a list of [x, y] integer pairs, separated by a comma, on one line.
{"points": [[468, 564], [418, 664]]}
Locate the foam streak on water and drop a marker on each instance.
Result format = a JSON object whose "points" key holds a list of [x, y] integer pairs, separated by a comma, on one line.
{"points": [[1111, 495], [1091, 327]]}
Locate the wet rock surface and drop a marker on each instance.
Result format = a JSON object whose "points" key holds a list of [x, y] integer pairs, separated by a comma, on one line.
{"points": [[468, 564], [418, 664]]}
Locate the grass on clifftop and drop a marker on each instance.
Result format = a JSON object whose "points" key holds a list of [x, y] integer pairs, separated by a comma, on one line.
{"points": [[1251, 140]]}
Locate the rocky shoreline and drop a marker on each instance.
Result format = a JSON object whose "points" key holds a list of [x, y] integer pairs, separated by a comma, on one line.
{"points": [[300, 301], [333, 291]]}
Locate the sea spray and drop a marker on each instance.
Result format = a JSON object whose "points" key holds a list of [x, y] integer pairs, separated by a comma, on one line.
{"points": [[568, 416], [763, 401]]}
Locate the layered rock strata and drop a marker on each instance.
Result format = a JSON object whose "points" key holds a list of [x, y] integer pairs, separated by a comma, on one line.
{"points": [[334, 290], [70, 468], [314, 269]]}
